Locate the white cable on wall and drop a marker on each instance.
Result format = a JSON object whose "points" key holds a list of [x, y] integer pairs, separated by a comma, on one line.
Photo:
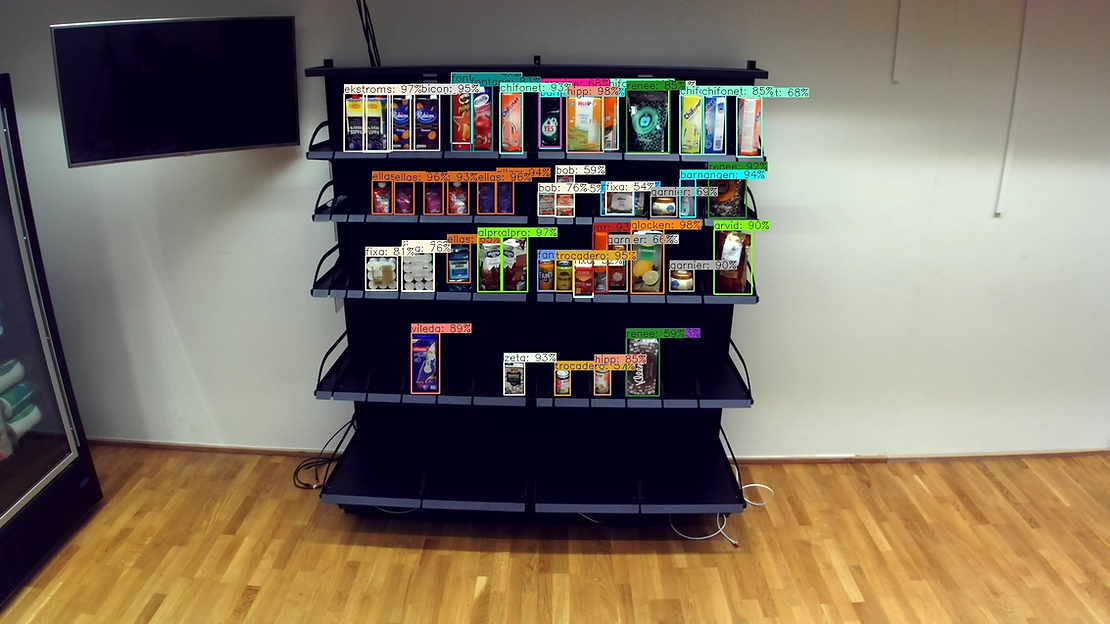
{"points": [[1007, 162]]}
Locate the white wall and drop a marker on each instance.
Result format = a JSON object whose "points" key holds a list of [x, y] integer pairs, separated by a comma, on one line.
{"points": [[897, 316]]}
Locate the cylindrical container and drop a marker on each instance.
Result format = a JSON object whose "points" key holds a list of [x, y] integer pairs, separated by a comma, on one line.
{"points": [[662, 207], [603, 383], [618, 273], [7, 441], [584, 280], [601, 278], [547, 274], [682, 280], [11, 373], [564, 275], [562, 382], [15, 399], [23, 421]]}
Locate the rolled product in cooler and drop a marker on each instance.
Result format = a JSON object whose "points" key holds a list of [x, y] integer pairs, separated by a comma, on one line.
{"points": [[11, 373], [24, 421], [15, 399]]}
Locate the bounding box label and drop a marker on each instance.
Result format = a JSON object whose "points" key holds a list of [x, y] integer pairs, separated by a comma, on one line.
{"points": [[399, 176], [684, 191], [574, 365], [673, 332], [441, 328], [595, 256], [741, 225], [510, 232], [648, 239], [629, 187], [722, 174], [462, 239], [413, 247], [665, 224], [703, 265], [383, 252], [530, 358], [579, 170]]}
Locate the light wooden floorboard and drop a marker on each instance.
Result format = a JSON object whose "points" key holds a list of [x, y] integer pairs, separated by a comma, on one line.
{"points": [[187, 536]]}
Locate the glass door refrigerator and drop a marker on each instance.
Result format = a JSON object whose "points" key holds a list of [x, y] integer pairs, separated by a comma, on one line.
{"points": [[47, 482]]}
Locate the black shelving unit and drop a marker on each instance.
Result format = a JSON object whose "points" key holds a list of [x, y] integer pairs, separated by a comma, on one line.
{"points": [[470, 447]]}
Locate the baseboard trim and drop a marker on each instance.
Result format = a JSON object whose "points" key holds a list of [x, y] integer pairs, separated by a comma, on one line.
{"points": [[743, 461], [902, 459], [203, 448]]}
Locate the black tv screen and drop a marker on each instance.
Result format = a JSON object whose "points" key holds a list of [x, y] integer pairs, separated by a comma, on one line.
{"points": [[150, 88]]}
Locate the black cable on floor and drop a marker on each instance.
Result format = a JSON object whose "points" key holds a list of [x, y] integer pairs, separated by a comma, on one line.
{"points": [[315, 463]]}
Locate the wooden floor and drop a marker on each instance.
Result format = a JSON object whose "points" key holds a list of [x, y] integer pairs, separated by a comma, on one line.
{"points": [[203, 537]]}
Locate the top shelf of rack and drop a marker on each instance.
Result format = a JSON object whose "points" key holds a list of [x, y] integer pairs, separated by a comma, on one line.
{"points": [[729, 74]]}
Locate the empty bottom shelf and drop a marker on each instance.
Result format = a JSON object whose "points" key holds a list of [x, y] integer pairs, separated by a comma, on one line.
{"points": [[559, 462]]}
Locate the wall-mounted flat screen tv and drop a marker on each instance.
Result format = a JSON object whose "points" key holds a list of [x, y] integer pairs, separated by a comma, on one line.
{"points": [[164, 87]]}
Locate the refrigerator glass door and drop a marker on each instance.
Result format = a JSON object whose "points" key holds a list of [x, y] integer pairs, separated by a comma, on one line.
{"points": [[37, 437]]}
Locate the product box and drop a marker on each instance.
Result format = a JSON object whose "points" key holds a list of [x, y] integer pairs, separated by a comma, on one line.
{"points": [[545, 204], [461, 121], [487, 197], [690, 124], [584, 124], [514, 379], [647, 268], [564, 205], [648, 115], [618, 204], [610, 138], [402, 122], [503, 267], [551, 122], [729, 201], [732, 246], [714, 127], [643, 381], [583, 279], [382, 272], [433, 198], [514, 264], [458, 198], [377, 123], [459, 275], [355, 121], [381, 198], [425, 356], [403, 194], [483, 121], [505, 197], [489, 267], [426, 119], [749, 118], [512, 118], [418, 273]]}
